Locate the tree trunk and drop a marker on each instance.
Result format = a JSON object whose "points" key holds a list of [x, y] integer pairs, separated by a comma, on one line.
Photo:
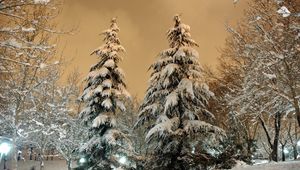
{"points": [[31, 153], [250, 145], [295, 152], [282, 153], [274, 153], [69, 164], [297, 110], [47, 156], [52, 154], [14, 161], [277, 123], [42, 165]]}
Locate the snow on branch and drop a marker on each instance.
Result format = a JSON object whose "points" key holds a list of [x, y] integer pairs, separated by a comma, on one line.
{"points": [[43, 2], [15, 61], [87, 147], [197, 126], [163, 128], [169, 69], [186, 85], [171, 100], [284, 11], [107, 103], [104, 118]]}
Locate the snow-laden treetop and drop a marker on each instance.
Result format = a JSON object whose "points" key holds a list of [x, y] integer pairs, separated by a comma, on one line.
{"points": [[179, 35], [112, 43]]}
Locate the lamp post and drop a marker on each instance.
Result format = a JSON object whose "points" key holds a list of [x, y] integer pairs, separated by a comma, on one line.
{"points": [[4, 150]]}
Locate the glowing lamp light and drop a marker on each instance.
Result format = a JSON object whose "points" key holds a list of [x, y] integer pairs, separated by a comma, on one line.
{"points": [[82, 160], [4, 148], [123, 160], [193, 150], [285, 151]]}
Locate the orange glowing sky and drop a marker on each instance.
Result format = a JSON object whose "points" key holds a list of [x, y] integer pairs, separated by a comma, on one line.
{"points": [[143, 25]]}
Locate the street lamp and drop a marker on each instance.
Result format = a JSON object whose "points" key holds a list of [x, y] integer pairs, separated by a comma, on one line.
{"points": [[82, 160], [4, 150], [193, 150], [285, 151]]}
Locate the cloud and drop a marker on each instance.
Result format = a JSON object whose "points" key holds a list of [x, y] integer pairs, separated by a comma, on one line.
{"points": [[143, 25]]}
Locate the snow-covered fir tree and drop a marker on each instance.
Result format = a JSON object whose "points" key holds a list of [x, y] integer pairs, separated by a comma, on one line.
{"points": [[103, 96], [174, 108]]}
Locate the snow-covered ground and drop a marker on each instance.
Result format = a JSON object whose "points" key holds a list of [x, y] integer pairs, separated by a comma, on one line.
{"points": [[61, 165], [289, 165], [49, 165]]}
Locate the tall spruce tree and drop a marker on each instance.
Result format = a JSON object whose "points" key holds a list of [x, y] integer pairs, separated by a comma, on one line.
{"points": [[103, 96], [174, 108]]}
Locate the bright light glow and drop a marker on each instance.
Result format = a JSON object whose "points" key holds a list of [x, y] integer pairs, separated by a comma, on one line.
{"points": [[123, 160], [258, 162], [298, 143], [82, 160], [285, 151], [4, 148], [193, 150]]}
